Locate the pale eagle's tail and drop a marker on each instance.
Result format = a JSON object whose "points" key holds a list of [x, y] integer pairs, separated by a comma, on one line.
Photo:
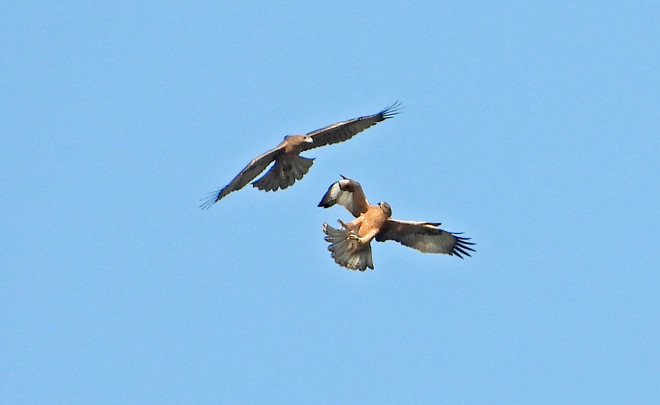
{"points": [[343, 252]]}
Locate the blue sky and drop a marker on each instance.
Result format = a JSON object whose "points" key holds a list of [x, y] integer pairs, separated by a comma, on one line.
{"points": [[533, 127]]}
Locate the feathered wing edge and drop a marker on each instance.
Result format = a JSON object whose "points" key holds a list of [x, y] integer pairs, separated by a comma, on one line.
{"points": [[347, 193], [342, 253], [426, 237], [392, 110], [461, 246], [345, 130], [249, 172]]}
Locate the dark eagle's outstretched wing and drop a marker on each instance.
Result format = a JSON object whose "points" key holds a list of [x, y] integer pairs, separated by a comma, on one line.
{"points": [[347, 193], [249, 172], [425, 237], [290, 166], [345, 130]]}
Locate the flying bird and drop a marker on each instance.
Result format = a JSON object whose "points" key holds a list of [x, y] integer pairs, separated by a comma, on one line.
{"points": [[289, 165], [351, 244]]}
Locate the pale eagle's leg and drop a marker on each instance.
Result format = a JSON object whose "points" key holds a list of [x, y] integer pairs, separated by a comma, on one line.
{"points": [[364, 240], [353, 225]]}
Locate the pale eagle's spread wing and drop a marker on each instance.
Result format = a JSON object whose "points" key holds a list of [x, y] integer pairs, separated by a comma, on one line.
{"points": [[347, 193], [249, 172], [345, 130], [425, 237]]}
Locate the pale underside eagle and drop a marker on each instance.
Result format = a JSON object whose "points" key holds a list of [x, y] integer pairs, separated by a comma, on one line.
{"points": [[351, 244], [289, 166]]}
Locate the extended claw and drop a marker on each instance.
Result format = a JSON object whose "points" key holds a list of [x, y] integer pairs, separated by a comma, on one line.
{"points": [[343, 224], [354, 237]]}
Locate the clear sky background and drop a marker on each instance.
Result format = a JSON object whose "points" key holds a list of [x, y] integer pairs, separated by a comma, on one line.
{"points": [[533, 127]]}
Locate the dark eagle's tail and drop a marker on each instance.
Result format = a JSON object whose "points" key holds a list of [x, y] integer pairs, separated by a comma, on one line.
{"points": [[284, 173]]}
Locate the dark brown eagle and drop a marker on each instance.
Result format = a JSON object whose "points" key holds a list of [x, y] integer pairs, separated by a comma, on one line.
{"points": [[289, 166], [351, 244]]}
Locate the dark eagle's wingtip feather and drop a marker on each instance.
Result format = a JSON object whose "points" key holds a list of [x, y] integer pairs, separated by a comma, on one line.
{"points": [[210, 199], [392, 110], [207, 203]]}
